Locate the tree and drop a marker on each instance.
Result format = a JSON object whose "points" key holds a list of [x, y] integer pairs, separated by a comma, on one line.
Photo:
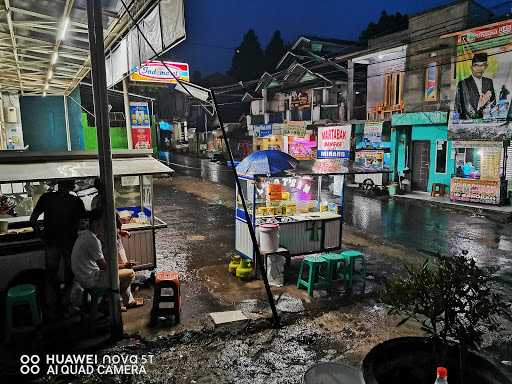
{"points": [[386, 24], [248, 59], [274, 51], [196, 77]]}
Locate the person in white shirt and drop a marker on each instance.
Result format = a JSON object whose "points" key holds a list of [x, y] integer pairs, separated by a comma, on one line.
{"points": [[87, 261]]}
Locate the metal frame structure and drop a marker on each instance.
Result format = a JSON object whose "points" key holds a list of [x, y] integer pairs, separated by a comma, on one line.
{"points": [[44, 47]]}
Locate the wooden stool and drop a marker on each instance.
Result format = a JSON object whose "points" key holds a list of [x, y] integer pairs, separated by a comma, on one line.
{"points": [[166, 280]]}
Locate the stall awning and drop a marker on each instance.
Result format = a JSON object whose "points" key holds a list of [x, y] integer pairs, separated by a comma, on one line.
{"points": [[67, 169]]}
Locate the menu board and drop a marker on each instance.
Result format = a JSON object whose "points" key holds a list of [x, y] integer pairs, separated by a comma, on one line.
{"points": [[475, 190]]}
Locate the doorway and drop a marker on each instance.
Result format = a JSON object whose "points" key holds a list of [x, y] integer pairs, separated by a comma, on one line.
{"points": [[420, 164]]}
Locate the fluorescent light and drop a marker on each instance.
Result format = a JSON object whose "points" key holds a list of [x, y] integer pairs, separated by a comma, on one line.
{"points": [[55, 57], [50, 74], [64, 29]]}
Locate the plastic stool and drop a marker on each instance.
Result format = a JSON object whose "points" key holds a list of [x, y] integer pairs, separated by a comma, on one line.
{"points": [[354, 256], [314, 264], [338, 267], [21, 295], [164, 280], [95, 294]]}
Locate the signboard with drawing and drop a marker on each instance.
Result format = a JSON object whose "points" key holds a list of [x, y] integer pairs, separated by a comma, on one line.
{"points": [[300, 99], [334, 142], [372, 136], [155, 72], [141, 125], [301, 148], [431, 82], [481, 92]]}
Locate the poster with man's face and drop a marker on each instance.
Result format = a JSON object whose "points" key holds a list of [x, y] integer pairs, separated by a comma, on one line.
{"points": [[483, 84]]}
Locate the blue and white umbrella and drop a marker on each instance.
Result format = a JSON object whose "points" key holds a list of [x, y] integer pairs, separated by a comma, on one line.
{"points": [[270, 162]]}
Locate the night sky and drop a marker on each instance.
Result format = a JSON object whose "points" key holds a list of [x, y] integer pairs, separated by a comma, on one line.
{"points": [[215, 27]]}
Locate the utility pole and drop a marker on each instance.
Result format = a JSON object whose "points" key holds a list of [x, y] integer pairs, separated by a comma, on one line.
{"points": [[128, 119], [99, 89]]}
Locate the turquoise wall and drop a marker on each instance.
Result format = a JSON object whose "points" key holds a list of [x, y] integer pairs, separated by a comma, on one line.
{"points": [[44, 125], [431, 133]]}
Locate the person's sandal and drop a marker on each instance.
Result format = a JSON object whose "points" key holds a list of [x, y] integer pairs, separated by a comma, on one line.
{"points": [[137, 302], [123, 308]]}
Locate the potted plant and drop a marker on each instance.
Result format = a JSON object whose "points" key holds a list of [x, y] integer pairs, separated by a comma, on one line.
{"points": [[456, 304]]}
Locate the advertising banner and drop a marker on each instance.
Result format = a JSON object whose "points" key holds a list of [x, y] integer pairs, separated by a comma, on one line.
{"points": [[301, 149], [294, 128], [156, 72], [300, 99], [263, 130], [372, 136], [431, 82], [334, 142], [370, 159], [475, 191], [141, 125], [481, 91]]}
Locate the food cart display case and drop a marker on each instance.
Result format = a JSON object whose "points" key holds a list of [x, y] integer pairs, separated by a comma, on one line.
{"points": [[25, 177], [306, 203], [480, 169]]}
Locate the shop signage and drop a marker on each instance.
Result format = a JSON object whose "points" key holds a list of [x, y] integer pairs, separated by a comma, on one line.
{"points": [[372, 135], [141, 125], [155, 72], [475, 144], [301, 149], [475, 191], [370, 159], [263, 130], [480, 108], [294, 128], [300, 99], [334, 142]]}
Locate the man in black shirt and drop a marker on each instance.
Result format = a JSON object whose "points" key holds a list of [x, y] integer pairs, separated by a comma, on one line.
{"points": [[62, 214]]}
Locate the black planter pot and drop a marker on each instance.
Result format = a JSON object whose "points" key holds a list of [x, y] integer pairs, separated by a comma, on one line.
{"points": [[411, 360]]}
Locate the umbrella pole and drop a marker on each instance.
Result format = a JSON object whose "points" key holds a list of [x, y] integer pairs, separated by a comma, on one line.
{"points": [[259, 261]]}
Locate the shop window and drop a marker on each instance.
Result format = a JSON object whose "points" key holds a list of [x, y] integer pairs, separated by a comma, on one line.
{"points": [[441, 152]]}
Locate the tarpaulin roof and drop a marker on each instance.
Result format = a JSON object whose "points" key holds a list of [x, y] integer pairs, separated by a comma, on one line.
{"points": [[78, 168]]}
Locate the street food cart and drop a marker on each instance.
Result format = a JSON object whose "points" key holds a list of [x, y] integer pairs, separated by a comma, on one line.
{"points": [[24, 177], [306, 203]]}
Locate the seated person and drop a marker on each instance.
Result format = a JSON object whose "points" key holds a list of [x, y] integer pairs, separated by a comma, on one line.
{"points": [[126, 278], [87, 260], [88, 265]]}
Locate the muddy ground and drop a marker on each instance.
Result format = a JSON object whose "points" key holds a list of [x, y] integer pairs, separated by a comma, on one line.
{"points": [[198, 244]]}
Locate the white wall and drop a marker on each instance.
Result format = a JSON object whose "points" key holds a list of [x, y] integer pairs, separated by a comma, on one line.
{"points": [[13, 131]]}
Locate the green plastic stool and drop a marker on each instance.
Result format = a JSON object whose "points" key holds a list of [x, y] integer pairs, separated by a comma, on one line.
{"points": [[315, 279], [18, 295], [354, 256], [338, 267]]}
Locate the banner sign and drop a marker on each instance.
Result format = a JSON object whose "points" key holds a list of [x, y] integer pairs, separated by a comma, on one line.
{"points": [[294, 128], [431, 82], [300, 99], [155, 72], [370, 159], [372, 135], [482, 90], [475, 191], [263, 130], [334, 142], [141, 125], [301, 149]]}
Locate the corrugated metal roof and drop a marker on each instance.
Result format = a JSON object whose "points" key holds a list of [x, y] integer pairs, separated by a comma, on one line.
{"points": [[35, 56]]}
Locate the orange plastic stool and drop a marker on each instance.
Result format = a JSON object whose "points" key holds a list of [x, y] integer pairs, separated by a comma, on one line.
{"points": [[166, 280]]}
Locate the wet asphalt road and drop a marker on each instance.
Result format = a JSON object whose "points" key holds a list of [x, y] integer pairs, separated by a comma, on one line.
{"points": [[428, 229]]}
